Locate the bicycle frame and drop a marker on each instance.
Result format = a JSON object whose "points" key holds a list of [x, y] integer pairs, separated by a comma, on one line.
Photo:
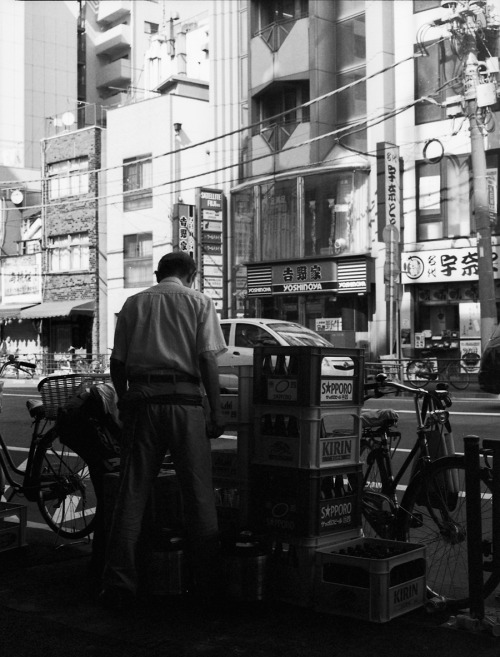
{"points": [[432, 402]]}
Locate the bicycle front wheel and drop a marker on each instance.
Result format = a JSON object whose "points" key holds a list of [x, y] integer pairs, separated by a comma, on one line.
{"points": [[66, 497], [458, 375], [419, 373], [433, 513]]}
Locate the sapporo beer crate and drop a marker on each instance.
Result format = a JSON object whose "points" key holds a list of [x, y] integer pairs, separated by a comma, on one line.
{"points": [[308, 376], [306, 437], [12, 526], [290, 502], [292, 562], [370, 578]]}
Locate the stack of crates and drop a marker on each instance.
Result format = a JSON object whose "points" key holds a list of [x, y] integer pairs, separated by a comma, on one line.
{"points": [[305, 471], [230, 465]]}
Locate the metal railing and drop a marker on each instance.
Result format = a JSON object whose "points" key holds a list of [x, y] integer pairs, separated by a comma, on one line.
{"points": [[58, 363]]}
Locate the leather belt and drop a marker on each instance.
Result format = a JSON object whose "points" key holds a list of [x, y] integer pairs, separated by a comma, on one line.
{"points": [[165, 378]]}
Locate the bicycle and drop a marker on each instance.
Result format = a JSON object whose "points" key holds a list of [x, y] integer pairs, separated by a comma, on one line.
{"points": [[54, 477], [421, 371], [13, 368], [431, 509]]}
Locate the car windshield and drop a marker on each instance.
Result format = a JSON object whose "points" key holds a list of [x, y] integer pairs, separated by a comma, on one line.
{"points": [[296, 335]]}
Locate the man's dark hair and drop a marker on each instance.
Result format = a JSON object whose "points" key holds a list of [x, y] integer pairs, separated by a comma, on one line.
{"points": [[177, 263]]}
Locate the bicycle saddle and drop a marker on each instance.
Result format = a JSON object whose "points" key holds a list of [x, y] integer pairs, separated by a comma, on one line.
{"points": [[35, 408], [379, 418]]}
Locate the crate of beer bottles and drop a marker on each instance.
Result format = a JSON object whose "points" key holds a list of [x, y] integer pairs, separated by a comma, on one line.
{"points": [[308, 376], [370, 578], [291, 502], [306, 437], [292, 562]]}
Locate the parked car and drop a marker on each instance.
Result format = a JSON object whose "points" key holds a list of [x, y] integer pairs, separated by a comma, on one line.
{"points": [[242, 335], [489, 367]]}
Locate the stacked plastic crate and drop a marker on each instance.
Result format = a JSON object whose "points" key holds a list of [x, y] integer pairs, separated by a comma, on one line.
{"points": [[230, 464], [305, 472]]}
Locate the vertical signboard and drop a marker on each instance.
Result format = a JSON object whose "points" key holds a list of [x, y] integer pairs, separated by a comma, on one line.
{"points": [[210, 212], [184, 232]]}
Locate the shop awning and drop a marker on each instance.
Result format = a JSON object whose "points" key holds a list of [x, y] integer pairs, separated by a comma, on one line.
{"points": [[11, 311], [59, 309]]}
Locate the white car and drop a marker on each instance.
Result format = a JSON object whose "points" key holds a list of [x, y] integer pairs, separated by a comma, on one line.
{"points": [[243, 334]]}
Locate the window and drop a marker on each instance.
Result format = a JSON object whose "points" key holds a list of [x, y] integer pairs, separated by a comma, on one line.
{"points": [[68, 178], [276, 100], [351, 68], [138, 260], [437, 76], [335, 213], [137, 182], [423, 5], [250, 336], [274, 20], [68, 252], [444, 199], [150, 28], [280, 229]]}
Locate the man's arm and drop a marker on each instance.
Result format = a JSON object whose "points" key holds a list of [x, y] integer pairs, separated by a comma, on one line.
{"points": [[118, 377], [210, 378]]}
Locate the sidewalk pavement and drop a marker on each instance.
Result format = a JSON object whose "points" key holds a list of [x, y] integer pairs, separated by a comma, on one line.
{"points": [[48, 607]]}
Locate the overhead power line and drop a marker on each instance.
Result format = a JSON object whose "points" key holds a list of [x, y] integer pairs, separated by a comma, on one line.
{"points": [[231, 133]]}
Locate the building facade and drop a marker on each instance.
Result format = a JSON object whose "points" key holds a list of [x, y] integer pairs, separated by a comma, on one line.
{"points": [[342, 220], [72, 254]]}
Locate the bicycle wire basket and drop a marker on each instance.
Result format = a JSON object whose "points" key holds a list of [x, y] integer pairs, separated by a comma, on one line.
{"points": [[56, 391]]}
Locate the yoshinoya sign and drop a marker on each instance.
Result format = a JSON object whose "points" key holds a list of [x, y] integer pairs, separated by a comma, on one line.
{"points": [[344, 276], [292, 277], [446, 265]]}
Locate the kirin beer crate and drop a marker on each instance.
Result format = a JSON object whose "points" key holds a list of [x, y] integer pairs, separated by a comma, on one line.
{"points": [[308, 376], [12, 526], [370, 578], [305, 437], [291, 502], [292, 567]]}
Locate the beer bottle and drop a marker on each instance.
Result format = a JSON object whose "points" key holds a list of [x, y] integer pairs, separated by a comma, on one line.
{"points": [[267, 366], [280, 428], [266, 425], [339, 486], [293, 427], [326, 491], [281, 368]]}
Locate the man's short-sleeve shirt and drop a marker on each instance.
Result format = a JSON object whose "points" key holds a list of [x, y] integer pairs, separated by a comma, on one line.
{"points": [[167, 326]]}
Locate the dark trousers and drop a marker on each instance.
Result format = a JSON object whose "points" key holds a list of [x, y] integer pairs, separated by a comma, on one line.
{"points": [[150, 431]]}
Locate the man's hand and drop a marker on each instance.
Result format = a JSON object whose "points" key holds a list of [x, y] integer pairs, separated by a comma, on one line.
{"points": [[215, 426]]}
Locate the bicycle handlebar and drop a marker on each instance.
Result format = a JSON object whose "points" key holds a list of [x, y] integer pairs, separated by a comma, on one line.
{"points": [[382, 379], [18, 364]]}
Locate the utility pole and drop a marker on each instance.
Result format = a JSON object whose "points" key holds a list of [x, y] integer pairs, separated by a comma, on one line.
{"points": [[467, 21]]}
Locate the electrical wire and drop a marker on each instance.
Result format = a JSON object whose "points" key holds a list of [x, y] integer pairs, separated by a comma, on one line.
{"points": [[250, 127]]}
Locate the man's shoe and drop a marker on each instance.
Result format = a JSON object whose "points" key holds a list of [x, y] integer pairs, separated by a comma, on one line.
{"points": [[116, 598]]}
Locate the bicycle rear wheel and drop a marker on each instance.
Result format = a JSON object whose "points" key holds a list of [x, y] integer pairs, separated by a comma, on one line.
{"points": [[419, 373], [66, 498], [433, 513], [458, 375]]}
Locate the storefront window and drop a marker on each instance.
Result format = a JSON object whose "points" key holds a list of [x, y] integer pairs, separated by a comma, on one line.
{"points": [[335, 213], [280, 237]]}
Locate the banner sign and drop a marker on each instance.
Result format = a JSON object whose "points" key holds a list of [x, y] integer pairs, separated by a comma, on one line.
{"points": [[22, 279], [446, 265]]}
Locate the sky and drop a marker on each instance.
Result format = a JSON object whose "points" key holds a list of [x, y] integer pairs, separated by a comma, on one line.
{"points": [[186, 8]]}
